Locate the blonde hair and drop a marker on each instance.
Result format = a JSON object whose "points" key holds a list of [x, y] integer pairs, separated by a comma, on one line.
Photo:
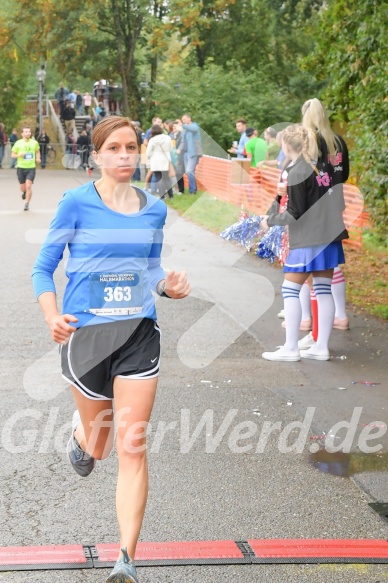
{"points": [[298, 138], [316, 120]]}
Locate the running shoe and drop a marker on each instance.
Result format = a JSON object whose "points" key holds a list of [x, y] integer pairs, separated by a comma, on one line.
{"points": [[124, 570], [82, 462], [23, 195], [282, 355], [26, 207], [281, 314]]}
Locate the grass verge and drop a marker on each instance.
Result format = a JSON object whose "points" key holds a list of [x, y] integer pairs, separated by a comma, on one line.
{"points": [[205, 210], [366, 269]]}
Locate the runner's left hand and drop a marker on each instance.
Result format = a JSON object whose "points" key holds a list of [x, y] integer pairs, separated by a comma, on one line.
{"points": [[177, 286]]}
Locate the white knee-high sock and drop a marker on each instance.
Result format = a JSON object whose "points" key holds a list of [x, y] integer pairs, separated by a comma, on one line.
{"points": [[292, 313], [322, 288], [338, 289], [304, 297]]}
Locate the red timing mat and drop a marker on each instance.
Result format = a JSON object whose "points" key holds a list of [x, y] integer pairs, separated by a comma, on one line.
{"points": [[49, 557], [175, 553], [228, 552], [306, 550]]}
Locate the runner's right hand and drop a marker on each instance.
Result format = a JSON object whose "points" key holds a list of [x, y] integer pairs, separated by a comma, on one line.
{"points": [[60, 328]]}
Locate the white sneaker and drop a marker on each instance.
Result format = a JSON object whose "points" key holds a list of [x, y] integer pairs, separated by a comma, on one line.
{"points": [[315, 354], [281, 314], [282, 355], [306, 342]]}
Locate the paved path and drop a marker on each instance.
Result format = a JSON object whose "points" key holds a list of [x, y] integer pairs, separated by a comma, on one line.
{"points": [[206, 489]]}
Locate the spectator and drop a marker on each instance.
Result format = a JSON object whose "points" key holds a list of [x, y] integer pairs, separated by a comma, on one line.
{"points": [[280, 159], [68, 116], [78, 102], [250, 146], [167, 126], [273, 146], [3, 141], [13, 138], [159, 155], [155, 121], [101, 115], [316, 232], [177, 154], [136, 177], [99, 108], [83, 148], [71, 147], [61, 95], [87, 102], [241, 126], [43, 141], [91, 122], [260, 151], [331, 149], [71, 97], [192, 149]]}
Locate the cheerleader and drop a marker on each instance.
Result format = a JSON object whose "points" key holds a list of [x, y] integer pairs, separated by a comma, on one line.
{"points": [[316, 230]]}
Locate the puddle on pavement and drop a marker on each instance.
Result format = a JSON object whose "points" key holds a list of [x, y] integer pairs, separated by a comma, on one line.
{"points": [[348, 464]]}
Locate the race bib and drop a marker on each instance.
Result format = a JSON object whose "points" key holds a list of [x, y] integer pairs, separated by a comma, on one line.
{"points": [[28, 156], [115, 294]]}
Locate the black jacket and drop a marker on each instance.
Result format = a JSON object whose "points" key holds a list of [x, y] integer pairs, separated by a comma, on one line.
{"points": [[68, 113], [314, 209]]}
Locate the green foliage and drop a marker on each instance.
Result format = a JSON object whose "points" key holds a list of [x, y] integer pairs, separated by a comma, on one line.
{"points": [[351, 56], [374, 241], [216, 97], [12, 88], [381, 311]]}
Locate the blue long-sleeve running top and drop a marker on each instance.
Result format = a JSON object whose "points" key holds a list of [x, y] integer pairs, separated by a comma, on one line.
{"points": [[114, 259]]}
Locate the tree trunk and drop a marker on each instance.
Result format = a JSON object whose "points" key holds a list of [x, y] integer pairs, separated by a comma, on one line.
{"points": [[200, 57]]}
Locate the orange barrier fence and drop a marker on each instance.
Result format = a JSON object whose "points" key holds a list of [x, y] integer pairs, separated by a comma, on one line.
{"points": [[236, 183]]}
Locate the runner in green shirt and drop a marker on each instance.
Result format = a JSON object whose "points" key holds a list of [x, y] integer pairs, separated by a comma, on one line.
{"points": [[26, 151]]}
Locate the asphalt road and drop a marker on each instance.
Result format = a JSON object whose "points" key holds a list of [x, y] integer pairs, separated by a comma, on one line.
{"points": [[223, 470]]}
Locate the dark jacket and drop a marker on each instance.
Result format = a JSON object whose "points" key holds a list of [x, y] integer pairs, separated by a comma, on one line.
{"points": [[68, 113], [339, 164], [313, 211]]}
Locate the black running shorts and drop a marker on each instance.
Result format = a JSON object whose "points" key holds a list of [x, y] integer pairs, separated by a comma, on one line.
{"points": [[24, 174], [95, 355]]}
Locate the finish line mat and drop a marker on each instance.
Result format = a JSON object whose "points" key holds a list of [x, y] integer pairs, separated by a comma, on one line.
{"points": [[154, 554], [43, 558]]}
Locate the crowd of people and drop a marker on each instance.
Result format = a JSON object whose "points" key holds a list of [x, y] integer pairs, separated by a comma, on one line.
{"points": [[107, 331], [172, 148], [260, 150], [313, 164]]}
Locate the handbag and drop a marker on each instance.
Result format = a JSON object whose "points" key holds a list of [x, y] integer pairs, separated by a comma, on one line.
{"points": [[171, 170]]}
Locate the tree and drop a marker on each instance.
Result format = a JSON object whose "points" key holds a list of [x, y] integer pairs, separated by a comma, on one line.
{"points": [[12, 75], [351, 55], [100, 36], [214, 99]]}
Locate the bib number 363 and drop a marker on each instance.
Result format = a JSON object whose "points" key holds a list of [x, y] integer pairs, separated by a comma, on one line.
{"points": [[115, 294]]}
